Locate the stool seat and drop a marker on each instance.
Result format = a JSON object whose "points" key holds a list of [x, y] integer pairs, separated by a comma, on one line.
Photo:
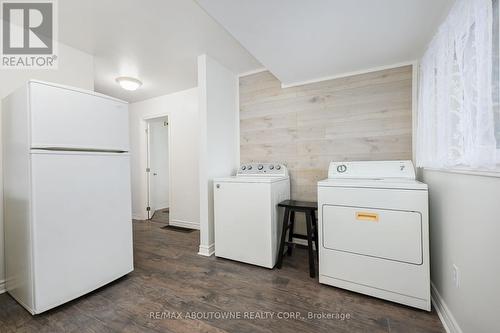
{"points": [[295, 204], [291, 207]]}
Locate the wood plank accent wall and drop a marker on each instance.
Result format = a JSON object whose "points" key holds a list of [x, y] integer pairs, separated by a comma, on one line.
{"points": [[361, 117]]}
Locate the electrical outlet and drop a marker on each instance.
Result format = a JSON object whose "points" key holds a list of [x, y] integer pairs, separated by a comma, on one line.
{"points": [[456, 276]]}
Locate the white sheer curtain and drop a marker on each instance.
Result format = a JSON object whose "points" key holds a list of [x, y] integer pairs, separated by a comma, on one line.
{"points": [[455, 116]]}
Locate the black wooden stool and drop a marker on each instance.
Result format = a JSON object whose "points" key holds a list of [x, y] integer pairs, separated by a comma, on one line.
{"points": [[309, 208]]}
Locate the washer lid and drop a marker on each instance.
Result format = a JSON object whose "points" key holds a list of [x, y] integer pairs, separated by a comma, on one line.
{"points": [[250, 179], [382, 183]]}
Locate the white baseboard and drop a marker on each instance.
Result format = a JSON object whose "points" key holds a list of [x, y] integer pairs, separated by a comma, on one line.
{"points": [[444, 313], [139, 217], [2, 286], [303, 242], [207, 251], [184, 224]]}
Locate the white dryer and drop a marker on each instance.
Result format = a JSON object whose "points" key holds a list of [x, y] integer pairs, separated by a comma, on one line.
{"points": [[374, 231], [246, 217]]}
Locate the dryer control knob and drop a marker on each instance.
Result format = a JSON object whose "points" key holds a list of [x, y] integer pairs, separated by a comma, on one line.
{"points": [[249, 167], [271, 167], [243, 167], [278, 167], [260, 167]]}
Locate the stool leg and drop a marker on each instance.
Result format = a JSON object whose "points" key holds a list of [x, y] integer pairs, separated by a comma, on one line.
{"points": [[312, 269], [286, 216], [290, 232], [315, 225]]}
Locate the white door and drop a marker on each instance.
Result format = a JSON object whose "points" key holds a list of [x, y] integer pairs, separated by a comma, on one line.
{"points": [[65, 118], [82, 223], [158, 164]]}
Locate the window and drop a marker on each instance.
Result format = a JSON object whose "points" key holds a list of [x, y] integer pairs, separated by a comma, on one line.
{"points": [[459, 91], [496, 73]]}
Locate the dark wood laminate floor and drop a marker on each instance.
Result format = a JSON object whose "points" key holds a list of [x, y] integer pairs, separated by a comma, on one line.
{"points": [[161, 216], [170, 278]]}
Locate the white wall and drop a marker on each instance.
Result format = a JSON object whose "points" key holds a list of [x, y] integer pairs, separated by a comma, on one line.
{"points": [[158, 162], [75, 69], [182, 111], [219, 138], [465, 231]]}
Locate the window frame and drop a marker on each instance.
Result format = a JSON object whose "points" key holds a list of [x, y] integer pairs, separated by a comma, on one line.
{"points": [[496, 15]]}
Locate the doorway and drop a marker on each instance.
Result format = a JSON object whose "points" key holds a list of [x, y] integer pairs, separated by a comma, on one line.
{"points": [[158, 166]]}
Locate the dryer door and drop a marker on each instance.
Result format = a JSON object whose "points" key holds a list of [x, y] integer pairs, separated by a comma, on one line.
{"points": [[382, 233]]}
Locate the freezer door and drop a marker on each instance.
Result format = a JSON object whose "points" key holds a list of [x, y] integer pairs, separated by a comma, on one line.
{"points": [[81, 223], [68, 118]]}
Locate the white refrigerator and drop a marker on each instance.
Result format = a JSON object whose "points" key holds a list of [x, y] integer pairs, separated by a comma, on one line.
{"points": [[67, 201]]}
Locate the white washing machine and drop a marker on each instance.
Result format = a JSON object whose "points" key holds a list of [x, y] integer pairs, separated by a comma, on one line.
{"points": [[246, 217], [374, 231]]}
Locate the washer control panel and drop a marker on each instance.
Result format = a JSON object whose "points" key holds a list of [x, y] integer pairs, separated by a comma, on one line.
{"points": [[267, 169]]}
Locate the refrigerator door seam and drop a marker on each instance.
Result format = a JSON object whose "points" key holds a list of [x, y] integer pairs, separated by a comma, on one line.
{"points": [[78, 150]]}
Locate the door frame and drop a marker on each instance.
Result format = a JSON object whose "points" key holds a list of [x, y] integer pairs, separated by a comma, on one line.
{"points": [[145, 123]]}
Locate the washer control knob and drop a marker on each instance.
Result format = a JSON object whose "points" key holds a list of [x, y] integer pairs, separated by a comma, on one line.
{"points": [[243, 167], [278, 167], [260, 167], [249, 167], [271, 167]]}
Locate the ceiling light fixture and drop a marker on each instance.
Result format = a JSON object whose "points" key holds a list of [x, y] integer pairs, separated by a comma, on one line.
{"points": [[129, 83]]}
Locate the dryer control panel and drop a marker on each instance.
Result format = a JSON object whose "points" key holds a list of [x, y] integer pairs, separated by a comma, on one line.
{"points": [[372, 169], [265, 169]]}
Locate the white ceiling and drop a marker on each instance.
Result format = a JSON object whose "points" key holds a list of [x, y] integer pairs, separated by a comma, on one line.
{"points": [[303, 40], [157, 41]]}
